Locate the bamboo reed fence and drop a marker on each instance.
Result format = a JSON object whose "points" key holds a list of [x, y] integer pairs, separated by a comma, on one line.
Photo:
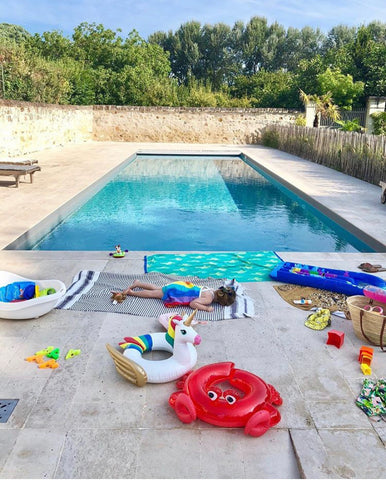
{"points": [[359, 155]]}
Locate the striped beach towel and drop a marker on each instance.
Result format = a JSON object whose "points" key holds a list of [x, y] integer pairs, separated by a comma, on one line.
{"points": [[90, 291]]}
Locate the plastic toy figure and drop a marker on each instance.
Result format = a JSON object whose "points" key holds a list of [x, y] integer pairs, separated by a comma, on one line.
{"points": [[17, 291], [119, 253]]}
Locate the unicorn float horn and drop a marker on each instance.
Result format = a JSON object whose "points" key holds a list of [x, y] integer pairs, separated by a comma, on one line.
{"points": [[189, 320]]}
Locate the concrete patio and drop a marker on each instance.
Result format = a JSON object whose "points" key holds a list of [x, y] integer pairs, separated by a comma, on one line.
{"points": [[83, 420]]}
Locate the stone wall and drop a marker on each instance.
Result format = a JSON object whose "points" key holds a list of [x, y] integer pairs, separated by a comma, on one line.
{"points": [[29, 127], [185, 125]]}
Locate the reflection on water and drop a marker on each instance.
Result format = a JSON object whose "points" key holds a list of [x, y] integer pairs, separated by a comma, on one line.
{"points": [[196, 203]]}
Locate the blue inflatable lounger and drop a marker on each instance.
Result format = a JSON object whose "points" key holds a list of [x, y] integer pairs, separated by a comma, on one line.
{"points": [[342, 281]]}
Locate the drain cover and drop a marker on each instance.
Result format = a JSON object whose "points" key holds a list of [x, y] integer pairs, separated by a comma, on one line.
{"points": [[6, 408]]}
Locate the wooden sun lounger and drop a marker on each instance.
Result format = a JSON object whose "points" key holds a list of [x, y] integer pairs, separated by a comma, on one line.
{"points": [[9, 169], [17, 161], [383, 194]]}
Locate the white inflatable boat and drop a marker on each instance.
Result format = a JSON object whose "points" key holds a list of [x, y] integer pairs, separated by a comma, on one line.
{"points": [[35, 307]]}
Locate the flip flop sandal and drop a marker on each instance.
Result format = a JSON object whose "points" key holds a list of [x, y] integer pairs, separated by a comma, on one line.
{"points": [[374, 269], [319, 320], [368, 265], [369, 268]]}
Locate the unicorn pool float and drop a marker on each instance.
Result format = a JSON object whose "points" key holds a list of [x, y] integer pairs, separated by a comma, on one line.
{"points": [[180, 340]]}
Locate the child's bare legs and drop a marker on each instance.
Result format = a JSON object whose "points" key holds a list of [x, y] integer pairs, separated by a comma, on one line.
{"points": [[146, 286], [149, 290]]}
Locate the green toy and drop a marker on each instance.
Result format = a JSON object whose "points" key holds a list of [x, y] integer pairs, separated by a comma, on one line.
{"points": [[46, 291], [55, 354], [72, 353]]}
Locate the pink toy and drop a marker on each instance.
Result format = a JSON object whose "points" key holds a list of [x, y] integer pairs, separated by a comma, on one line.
{"points": [[376, 293]]}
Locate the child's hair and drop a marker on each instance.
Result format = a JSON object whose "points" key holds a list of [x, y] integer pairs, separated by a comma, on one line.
{"points": [[225, 296]]}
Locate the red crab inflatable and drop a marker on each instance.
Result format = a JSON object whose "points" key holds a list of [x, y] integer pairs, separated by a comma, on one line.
{"points": [[225, 396]]}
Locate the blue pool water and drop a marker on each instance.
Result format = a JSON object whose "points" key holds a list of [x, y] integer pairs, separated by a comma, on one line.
{"points": [[197, 203]]}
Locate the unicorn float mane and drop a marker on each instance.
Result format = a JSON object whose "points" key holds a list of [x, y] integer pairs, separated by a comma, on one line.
{"points": [[144, 343], [171, 331]]}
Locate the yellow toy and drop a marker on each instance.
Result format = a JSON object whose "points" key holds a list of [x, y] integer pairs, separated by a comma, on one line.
{"points": [[45, 351], [72, 353]]}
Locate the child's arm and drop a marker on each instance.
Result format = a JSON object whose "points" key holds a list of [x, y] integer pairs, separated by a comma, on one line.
{"points": [[200, 306]]}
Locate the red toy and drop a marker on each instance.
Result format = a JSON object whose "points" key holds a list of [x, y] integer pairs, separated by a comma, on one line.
{"points": [[222, 395], [335, 337]]}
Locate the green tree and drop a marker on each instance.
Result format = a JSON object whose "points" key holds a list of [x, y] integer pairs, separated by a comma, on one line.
{"points": [[236, 45], [272, 49], [184, 48], [307, 73], [291, 55], [379, 122], [146, 71], [82, 82], [338, 37], [358, 52], [218, 59], [268, 89], [50, 45], [97, 47], [252, 42], [13, 33], [31, 77], [343, 89], [368, 53], [375, 64]]}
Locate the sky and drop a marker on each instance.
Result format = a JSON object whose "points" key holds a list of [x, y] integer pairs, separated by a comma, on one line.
{"points": [[149, 16]]}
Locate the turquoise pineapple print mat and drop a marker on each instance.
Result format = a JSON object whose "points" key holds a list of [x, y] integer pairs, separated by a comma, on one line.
{"points": [[243, 266]]}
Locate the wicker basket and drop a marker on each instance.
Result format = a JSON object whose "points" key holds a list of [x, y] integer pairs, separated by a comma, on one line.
{"points": [[368, 326]]}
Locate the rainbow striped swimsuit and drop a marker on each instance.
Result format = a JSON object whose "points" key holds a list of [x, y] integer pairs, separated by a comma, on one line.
{"points": [[180, 293]]}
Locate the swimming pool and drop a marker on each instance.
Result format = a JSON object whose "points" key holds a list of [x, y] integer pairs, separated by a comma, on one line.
{"points": [[197, 203]]}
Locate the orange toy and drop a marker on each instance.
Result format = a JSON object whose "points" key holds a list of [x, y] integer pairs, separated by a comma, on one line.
{"points": [[35, 358], [365, 358], [49, 364]]}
